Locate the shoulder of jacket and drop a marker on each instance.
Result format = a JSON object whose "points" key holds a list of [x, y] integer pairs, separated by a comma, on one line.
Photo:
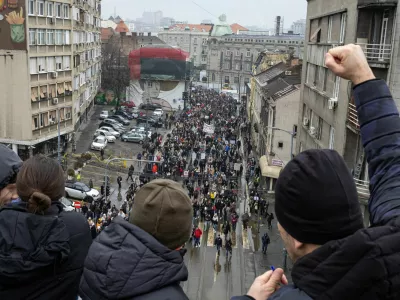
{"points": [[173, 291], [289, 292]]}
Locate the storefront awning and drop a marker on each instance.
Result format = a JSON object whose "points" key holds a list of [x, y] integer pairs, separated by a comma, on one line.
{"points": [[267, 170]]}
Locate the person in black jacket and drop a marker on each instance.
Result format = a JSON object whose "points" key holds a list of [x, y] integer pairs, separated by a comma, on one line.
{"points": [[10, 164], [317, 207], [43, 257], [142, 258]]}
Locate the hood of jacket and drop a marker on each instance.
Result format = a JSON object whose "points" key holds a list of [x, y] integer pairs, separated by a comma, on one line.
{"points": [[361, 266], [124, 261], [31, 244]]}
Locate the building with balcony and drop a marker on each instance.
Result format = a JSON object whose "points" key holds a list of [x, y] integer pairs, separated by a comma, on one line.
{"points": [[48, 72], [231, 56], [327, 113]]}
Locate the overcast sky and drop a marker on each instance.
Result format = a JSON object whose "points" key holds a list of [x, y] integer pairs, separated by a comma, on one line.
{"points": [[251, 12]]}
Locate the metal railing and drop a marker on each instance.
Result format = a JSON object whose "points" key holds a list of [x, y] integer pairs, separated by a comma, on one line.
{"points": [[362, 187], [352, 117], [377, 52]]}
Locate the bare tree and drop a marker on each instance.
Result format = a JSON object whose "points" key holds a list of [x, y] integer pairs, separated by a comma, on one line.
{"points": [[115, 69]]}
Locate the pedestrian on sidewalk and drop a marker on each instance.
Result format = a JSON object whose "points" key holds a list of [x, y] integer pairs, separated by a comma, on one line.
{"points": [[265, 240], [102, 153], [234, 219], [197, 235], [139, 158], [228, 248], [119, 181], [78, 176], [269, 220], [218, 244], [130, 173], [91, 183]]}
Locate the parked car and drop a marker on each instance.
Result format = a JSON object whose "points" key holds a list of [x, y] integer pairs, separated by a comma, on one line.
{"points": [[152, 122], [120, 119], [158, 113], [99, 143], [67, 204], [79, 190], [113, 126], [124, 114], [129, 104], [110, 130], [104, 115], [142, 130], [133, 137], [150, 106], [110, 138]]}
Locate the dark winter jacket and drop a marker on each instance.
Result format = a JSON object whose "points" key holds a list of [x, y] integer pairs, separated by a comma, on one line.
{"points": [[125, 262], [366, 264], [42, 256]]}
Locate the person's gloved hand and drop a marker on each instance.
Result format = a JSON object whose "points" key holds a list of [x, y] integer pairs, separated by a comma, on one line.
{"points": [[267, 284], [349, 62]]}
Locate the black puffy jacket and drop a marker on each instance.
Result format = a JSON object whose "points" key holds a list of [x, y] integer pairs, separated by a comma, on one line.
{"points": [[41, 256], [125, 262]]}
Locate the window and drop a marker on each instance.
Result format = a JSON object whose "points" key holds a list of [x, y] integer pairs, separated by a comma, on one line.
{"points": [[236, 79], [41, 37], [213, 77], [50, 9], [40, 8], [280, 145], [237, 67], [336, 88], [237, 53], [59, 37], [194, 49], [33, 66], [41, 64], [248, 53], [342, 27], [58, 10], [195, 41], [331, 137], [67, 40], [248, 67], [247, 80], [295, 129], [35, 122], [58, 63], [67, 62], [226, 79], [31, 7], [32, 37], [50, 37], [51, 67], [66, 11], [320, 123], [330, 21], [228, 53]]}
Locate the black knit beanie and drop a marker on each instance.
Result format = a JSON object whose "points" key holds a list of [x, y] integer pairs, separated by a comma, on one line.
{"points": [[316, 198]]}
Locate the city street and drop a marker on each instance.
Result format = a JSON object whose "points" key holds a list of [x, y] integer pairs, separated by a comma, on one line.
{"points": [[210, 276]]}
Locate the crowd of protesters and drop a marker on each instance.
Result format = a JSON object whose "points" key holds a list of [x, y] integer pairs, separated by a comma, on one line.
{"points": [[47, 253]]}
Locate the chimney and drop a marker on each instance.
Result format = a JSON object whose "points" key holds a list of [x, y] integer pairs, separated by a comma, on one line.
{"points": [[122, 33], [149, 34], [134, 33]]}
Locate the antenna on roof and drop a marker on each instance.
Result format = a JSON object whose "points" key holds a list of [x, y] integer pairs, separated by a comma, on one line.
{"points": [[205, 10]]}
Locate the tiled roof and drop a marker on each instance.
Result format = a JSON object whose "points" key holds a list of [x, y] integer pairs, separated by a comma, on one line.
{"points": [[193, 27], [284, 92], [279, 88], [236, 27], [121, 27], [271, 73], [106, 33]]}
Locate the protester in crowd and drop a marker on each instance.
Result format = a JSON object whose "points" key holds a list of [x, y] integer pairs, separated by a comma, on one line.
{"points": [[319, 215], [10, 164], [143, 258], [42, 256]]}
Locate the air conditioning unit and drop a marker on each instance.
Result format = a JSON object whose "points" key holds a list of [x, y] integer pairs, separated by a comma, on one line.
{"points": [[288, 72], [55, 101], [332, 103], [305, 121], [54, 74], [313, 131]]}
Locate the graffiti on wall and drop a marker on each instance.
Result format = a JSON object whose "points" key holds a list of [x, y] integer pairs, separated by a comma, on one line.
{"points": [[108, 97], [12, 25]]}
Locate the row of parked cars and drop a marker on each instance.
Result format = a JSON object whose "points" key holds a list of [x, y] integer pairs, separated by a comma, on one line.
{"points": [[113, 127]]}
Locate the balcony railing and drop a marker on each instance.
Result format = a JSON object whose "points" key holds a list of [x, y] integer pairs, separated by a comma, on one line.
{"points": [[362, 187], [377, 52], [352, 117]]}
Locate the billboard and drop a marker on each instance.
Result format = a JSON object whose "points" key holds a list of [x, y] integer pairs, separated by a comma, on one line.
{"points": [[12, 25]]}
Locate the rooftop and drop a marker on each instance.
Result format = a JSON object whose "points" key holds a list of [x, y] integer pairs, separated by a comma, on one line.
{"points": [[237, 27], [264, 77]]}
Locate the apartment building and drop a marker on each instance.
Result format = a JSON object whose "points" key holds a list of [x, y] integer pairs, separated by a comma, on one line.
{"points": [[327, 114], [49, 74], [232, 56]]}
